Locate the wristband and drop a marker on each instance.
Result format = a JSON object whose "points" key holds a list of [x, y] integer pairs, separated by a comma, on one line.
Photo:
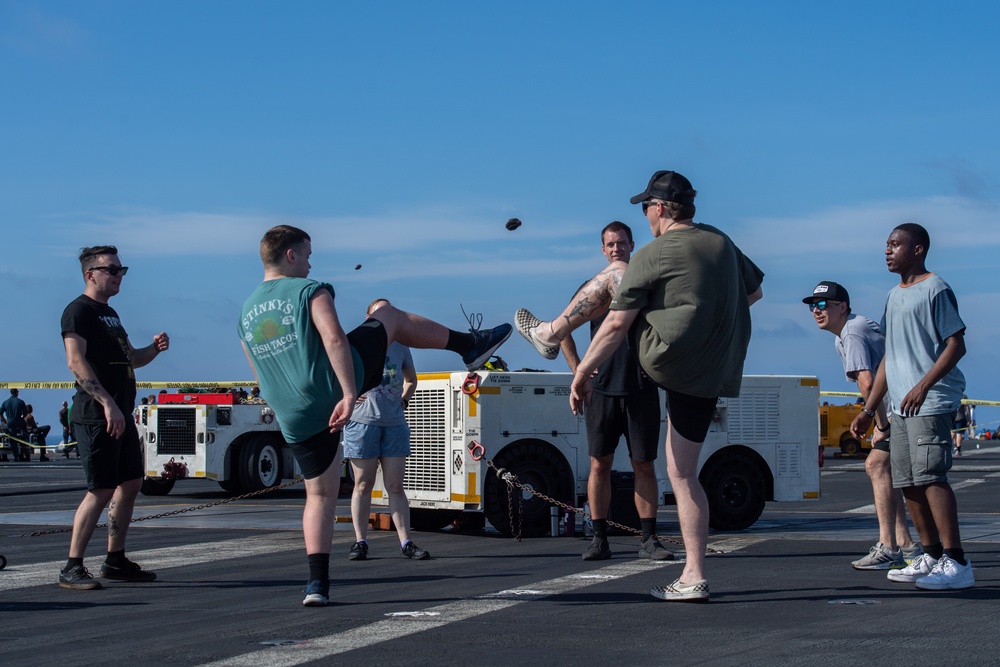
{"points": [[870, 413], [883, 430]]}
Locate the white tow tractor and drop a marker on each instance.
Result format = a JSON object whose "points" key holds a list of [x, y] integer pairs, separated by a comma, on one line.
{"points": [[763, 445]]}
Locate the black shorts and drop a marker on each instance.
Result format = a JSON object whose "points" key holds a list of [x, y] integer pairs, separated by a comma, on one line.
{"points": [[109, 461], [316, 453], [691, 416], [371, 342], [637, 417]]}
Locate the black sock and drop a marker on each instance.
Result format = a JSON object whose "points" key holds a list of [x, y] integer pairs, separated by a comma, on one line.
{"points": [[935, 551], [957, 554], [319, 567], [648, 528], [115, 557], [459, 342], [601, 528], [72, 562]]}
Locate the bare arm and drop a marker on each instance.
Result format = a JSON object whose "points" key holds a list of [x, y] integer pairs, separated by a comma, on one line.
{"points": [[83, 372], [324, 318], [144, 355], [568, 347], [605, 343], [873, 402], [954, 349], [409, 384]]}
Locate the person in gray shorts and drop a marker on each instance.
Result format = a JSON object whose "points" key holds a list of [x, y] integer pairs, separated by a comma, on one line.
{"points": [[379, 435], [925, 338], [860, 344]]}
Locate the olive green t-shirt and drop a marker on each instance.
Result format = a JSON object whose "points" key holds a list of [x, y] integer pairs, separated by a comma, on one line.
{"points": [[690, 286], [293, 369]]}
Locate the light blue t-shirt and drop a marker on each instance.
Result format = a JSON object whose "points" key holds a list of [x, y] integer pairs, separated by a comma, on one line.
{"points": [[383, 405], [917, 321], [293, 369], [861, 347]]}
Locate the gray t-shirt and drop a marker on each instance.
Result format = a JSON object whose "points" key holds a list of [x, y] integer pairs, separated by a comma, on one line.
{"points": [[861, 347], [917, 321], [383, 405]]}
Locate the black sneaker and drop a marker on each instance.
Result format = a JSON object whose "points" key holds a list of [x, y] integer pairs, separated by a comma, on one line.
{"points": [[487, 342], [79, 579], [653, 549], [127, 571], [317, 593], [411, 550], [598, 549], [359, 551]]}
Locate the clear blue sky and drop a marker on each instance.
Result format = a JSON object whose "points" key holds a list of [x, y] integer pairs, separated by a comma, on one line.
{"points": [[403, 135]]}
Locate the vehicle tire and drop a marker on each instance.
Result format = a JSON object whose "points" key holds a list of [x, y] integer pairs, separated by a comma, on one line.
{"points": [[850, 447], [156, 486], [260, 464], [3, 562], [736, 486], [230, 485], [539, 466], [428, 519]]}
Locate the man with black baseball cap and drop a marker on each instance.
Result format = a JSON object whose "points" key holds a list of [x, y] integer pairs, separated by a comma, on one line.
{"points": [[861, 346], [688, 294]]}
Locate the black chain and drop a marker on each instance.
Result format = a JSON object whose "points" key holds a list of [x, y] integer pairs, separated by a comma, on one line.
{"points": [[174, 512], [511, 480]]}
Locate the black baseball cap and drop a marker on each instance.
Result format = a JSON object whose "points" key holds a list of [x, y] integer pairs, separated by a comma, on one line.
{"points": [[830, 291], [668, 186]]}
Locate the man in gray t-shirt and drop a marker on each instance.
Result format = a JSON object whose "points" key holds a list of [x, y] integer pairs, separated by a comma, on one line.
{"points": [[925, 338], [861, 346]]}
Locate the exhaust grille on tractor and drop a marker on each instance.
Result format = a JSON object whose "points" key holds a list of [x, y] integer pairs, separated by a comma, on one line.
{"points": [[175, 431], [426, 466], [754, 417]]}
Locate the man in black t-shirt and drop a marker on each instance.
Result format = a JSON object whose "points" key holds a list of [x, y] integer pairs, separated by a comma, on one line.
{"points": [[103, 360], [625, 403]]}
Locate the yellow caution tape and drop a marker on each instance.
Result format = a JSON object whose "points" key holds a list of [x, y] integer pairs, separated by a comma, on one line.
{"points": [[139, 385], [965, 401]]}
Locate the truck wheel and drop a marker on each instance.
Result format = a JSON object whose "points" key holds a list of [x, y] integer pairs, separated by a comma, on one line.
{"points": [[155, 486], [850, 447], [260, 465], [428, 519], [539, 466], [737, 489], [230, 485]]}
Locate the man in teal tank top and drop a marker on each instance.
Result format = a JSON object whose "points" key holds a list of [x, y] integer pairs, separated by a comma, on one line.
{"points": [[311, 373]]}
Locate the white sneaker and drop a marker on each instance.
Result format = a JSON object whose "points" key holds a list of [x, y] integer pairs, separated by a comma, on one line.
{"points": [[880, 557], [527, 325], [946, 575], [918, 569]]}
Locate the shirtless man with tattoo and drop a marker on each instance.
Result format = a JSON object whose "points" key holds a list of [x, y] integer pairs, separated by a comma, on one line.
{"points": [[103, 363]]}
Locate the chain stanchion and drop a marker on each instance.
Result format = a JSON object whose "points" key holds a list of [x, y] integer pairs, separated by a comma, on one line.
{"points": [[478, 454], [185, 510]]}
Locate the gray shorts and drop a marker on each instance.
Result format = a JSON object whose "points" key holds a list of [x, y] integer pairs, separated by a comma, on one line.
{"points": [[368, 441], [921, 450]]}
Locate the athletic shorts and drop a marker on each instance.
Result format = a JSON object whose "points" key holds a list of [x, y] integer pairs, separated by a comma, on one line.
{"points": [[637, 417], [691, 416], [315, 454], [922, 451], [370, 441], [109, 461], [371, 342]]}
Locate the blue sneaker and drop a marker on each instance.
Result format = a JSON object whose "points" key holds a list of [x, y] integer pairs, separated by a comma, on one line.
{"points": [[317, 593], [487, 342]]}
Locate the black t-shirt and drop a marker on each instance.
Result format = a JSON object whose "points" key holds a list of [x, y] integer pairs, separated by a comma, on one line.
{"points": [[620, 374], [107, 353]]}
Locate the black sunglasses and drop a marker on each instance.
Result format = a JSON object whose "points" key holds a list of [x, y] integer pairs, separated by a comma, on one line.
{"points": [[113, 269], [821, 305], [646, 204]]}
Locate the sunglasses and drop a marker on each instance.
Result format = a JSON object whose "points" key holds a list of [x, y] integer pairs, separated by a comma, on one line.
{"points": [[821, 305], [646, 204], [112, 270]]}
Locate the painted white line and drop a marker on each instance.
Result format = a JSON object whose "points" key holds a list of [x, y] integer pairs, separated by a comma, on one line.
{"points": [[966, 483], [864, 509], [410, 624], [42, 574]]}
